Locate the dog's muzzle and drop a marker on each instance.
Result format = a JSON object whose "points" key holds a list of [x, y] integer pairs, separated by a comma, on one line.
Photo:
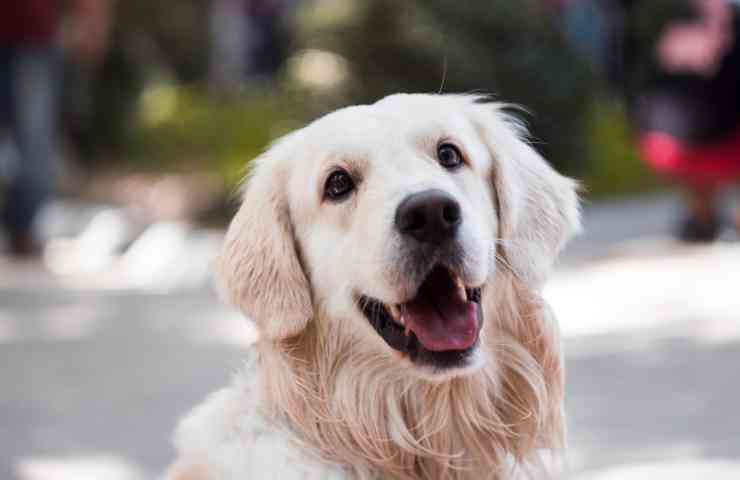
{"points": [[439, 325]]}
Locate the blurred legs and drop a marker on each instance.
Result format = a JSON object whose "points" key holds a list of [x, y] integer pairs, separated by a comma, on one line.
{"points": [[702, 223], [29, 83]]}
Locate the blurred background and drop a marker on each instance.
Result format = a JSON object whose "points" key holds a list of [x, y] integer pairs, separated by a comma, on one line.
{"points": [[126, 126]]}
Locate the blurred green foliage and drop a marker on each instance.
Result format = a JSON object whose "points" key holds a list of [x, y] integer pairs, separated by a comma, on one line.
{"points": [[184, 128], [149, 42], [155, 110], [612, 164], [514, 50]]}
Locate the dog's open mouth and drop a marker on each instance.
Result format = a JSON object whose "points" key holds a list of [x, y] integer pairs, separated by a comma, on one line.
{"points": [[438, 326]]}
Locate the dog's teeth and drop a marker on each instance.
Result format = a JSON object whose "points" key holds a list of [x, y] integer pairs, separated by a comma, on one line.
{"points": [[402, 321], [461, 292], [395, 313]]}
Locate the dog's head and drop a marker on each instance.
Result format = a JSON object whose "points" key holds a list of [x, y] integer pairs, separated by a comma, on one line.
{"points": [[389, 221]]}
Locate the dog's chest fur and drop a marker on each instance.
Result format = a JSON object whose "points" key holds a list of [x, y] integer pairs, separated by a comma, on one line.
{"points": [[227, 437], [231, 439]]}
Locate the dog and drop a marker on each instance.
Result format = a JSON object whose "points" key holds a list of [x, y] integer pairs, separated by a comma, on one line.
{"points": [[392, 257]]}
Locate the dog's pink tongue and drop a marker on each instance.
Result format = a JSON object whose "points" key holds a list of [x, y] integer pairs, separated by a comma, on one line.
{"points": [[440, 319]]}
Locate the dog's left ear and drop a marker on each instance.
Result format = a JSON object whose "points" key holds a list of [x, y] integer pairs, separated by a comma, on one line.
{"points": [[538, 208]]}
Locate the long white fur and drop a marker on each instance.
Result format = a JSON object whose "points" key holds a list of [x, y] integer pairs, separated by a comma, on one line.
{"points": [[325, 397]]}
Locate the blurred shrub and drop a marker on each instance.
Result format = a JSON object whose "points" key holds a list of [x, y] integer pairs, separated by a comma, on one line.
{"points": [[513, 50], [149, 41], [152, 109], [613, 166], [183, 128]]}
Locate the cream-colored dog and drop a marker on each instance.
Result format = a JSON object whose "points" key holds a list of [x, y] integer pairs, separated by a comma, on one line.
{"points": [[392, 257]]}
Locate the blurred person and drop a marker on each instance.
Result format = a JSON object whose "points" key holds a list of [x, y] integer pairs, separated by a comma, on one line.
{"points": [[268, 37], [682, 92], [248, 40], [30, 60], [228, 30], [689, 114]]}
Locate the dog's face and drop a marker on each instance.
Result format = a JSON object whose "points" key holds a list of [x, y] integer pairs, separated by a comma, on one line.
{"points": [[396, 226], [385, 221]]}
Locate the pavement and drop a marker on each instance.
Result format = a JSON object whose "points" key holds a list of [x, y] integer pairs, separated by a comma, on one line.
{"points": [[118, 333]]}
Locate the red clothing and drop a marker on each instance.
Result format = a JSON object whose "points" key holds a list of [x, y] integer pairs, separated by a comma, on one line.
{"points": [[28, 22], [701, 165]]}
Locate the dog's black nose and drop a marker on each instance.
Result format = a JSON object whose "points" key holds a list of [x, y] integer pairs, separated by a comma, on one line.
{"points": [[431, 216]]}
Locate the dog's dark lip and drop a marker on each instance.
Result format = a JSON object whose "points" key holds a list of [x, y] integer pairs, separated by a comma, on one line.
{"points": [[395, 335]]}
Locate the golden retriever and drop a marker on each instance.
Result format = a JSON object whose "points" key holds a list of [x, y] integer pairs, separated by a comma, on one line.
{"points": [[392, 257]]}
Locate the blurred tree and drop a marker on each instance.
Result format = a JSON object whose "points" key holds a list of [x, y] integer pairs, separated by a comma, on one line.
{"points": [[513, 50], [149, 41], [350, 51]]}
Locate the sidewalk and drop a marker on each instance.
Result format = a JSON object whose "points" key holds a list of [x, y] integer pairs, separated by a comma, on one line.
{"points": [[99, 365], [653, 348]]}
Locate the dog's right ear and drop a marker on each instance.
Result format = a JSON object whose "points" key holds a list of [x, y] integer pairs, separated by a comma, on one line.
{"points": [[259, 268]]}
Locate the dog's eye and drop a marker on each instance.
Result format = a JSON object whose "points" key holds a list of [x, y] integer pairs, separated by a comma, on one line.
{"points": [[449, 156], [338, 185]]}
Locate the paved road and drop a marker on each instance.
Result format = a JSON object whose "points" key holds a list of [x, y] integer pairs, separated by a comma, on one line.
{"points": [[653, 348], [97, 366]]}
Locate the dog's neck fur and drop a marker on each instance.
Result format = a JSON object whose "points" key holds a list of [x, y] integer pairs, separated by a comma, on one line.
{"points": [[356, 409]]}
